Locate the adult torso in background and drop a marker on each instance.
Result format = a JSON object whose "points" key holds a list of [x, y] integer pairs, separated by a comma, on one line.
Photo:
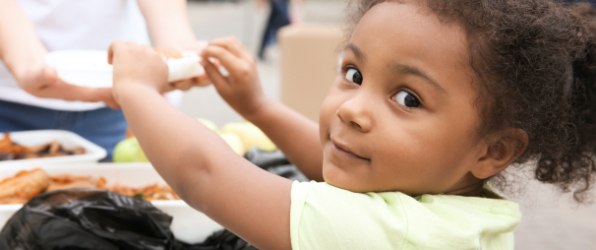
{"points": [[75, 24]]}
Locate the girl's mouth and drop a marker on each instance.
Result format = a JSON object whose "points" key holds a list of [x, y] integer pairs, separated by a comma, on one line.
{"points": [[344, 150]]}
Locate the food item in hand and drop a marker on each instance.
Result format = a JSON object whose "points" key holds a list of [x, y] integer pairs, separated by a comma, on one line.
{"points": [[181, 65], [169, 53], [23, 186]]}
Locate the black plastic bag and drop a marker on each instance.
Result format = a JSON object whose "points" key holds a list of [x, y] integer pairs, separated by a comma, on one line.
{"points": [[274, 162], [88, 219], [221, 240]]}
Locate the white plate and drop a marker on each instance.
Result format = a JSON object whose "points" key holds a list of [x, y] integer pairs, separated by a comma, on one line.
{"points": [[188, 224], [67, 139], [90, 68]]}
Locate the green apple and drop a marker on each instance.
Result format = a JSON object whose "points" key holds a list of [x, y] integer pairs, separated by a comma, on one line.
{"points": [[233, 141], [208, 123], [250, 135], [128, 150]]}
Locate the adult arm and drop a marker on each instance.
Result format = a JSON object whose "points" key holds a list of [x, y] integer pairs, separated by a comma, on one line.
{"points": [[23, 53], [169, 28], [168, 24]]}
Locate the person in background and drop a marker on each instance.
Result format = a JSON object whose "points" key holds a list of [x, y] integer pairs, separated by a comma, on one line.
{"points": [[33, 97], [432, 100], [282, 13]]}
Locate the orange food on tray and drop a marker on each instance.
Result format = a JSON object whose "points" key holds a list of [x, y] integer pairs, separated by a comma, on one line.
{"points": [[23, 186], [28, 183], [10, 150]]}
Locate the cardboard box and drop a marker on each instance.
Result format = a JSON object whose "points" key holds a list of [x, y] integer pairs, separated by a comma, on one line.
{"points": [[309, 56]]}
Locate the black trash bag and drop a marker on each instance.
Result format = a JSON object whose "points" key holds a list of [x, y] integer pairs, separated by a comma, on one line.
{"points": [[274, 162], [222, 240], [85, 218]]}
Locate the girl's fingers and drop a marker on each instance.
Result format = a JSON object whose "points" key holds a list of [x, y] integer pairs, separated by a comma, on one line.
{"points": [[220, 55], [214, 74], [232, 64], [233, 45]]}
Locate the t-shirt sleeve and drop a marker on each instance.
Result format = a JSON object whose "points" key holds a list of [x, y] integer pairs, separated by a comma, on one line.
{"points": [[325, 217]]}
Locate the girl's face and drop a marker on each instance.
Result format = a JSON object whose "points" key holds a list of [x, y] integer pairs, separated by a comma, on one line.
{"points": [[401, 115]]}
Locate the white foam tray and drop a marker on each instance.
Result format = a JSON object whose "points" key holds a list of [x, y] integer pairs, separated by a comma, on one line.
{"points": [[188, 224], [93, 152]]}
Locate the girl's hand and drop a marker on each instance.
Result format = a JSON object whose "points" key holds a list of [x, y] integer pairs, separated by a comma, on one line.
{"points": [[237, 83], [41, 80], [137, 66]]}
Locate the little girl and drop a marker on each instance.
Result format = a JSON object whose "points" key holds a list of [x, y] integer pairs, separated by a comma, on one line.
{"points": [[433, 99]]}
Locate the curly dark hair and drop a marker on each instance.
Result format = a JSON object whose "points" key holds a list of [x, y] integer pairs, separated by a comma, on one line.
{"points": [[535, 66]]}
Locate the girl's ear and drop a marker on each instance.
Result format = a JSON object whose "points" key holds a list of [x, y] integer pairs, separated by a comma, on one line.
{"points": [[500, 150]]}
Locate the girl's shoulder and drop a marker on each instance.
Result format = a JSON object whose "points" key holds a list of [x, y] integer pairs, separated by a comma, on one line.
{"points": [[376, 217]]}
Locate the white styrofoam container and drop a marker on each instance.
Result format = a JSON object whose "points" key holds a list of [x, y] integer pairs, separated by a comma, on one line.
{"points": [[93, 152], [188, 225]]}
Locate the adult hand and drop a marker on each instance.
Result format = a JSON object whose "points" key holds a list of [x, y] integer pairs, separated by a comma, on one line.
{"points": [[41, 80]]}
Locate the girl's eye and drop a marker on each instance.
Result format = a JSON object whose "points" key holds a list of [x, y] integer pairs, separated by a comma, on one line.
{"points": [[407, 99], [353, 75]]}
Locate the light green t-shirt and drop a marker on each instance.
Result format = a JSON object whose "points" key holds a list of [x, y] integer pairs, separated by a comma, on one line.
{"points": [[326, 217]]}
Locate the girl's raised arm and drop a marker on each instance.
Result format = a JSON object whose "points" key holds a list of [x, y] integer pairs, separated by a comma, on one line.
{"points": [[198, 165], [296, 135]]}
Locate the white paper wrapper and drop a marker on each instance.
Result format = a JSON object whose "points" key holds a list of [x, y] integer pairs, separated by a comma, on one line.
{"points": [[90, 68]]}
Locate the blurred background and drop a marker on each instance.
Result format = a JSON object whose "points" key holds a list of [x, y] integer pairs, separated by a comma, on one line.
{"points": [[550, 221]]}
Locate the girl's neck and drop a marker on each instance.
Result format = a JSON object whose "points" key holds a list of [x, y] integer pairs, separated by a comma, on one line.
{"points": [[473, 189]]}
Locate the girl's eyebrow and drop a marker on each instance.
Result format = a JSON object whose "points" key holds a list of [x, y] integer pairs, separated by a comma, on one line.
{"points": [[411, 70], [359, 55]]}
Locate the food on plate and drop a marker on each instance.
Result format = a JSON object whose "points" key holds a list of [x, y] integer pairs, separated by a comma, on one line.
{"points": [[149, 192], [68, 181], [23, 186], [10, 150], [28, 183]]}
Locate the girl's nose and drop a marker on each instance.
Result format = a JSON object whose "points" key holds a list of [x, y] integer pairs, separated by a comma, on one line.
{"points": [[356, 112]]}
